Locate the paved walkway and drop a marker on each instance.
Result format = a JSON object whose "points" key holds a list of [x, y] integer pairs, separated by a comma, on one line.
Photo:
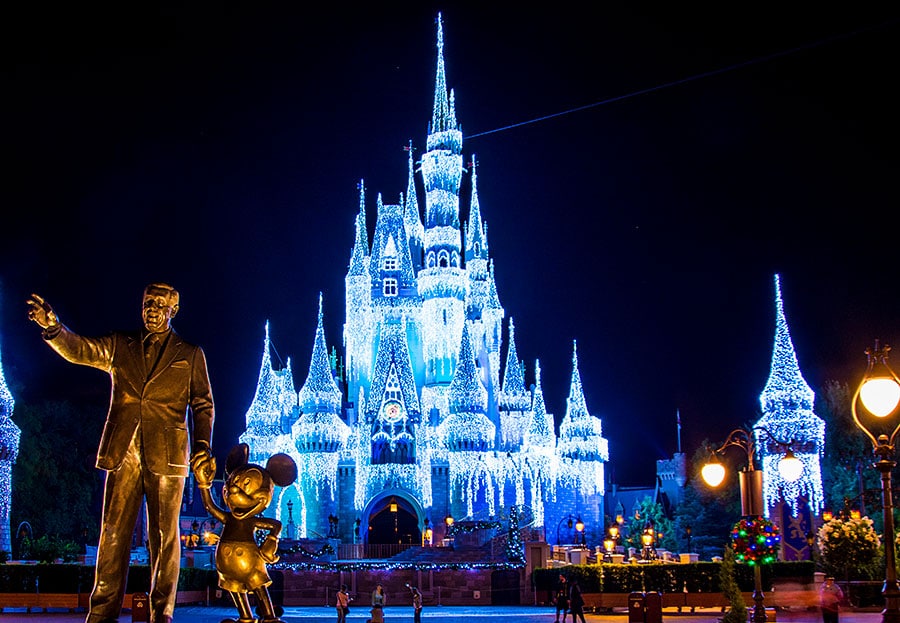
{"points": [[455, 614]]}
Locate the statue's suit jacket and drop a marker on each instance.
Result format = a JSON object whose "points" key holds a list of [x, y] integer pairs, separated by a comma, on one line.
{"points": [[160, 404]]}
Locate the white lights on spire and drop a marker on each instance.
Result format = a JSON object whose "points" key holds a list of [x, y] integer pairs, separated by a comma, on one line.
{"points": [[787, 406]]}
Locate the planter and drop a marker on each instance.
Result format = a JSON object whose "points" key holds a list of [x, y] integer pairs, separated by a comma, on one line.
{"points": [[41, 602]]}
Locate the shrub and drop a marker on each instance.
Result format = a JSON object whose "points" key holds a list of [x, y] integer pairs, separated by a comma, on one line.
{"points": [[849, 548]]}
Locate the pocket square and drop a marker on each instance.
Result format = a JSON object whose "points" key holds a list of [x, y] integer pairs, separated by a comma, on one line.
{"points": [[180, 363]]}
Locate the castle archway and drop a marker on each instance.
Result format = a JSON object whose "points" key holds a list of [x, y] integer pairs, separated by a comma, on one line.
{"points": [[393, 520]]}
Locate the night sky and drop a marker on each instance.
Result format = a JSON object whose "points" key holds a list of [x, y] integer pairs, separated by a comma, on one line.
{"points": [[643, 174]]}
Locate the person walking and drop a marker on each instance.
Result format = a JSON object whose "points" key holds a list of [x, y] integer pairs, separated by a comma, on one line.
{"points": [[378, 604], [576, 601], [830, 598], [561, 598], [160, 417], [416, 603], [342, 604]]}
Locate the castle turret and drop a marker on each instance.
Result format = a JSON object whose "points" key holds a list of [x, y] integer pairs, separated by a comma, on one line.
{"points": [[442, 282], [273, 409], [358, 323], [9, 451], [411, 217], [787, 406], [319, 436], [319, 429]]}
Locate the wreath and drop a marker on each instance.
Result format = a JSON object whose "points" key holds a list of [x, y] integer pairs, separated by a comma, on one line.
{"points": [[755, 540]]}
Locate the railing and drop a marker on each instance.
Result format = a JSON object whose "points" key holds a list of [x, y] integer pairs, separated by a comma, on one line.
{"points": [[360, 551]]}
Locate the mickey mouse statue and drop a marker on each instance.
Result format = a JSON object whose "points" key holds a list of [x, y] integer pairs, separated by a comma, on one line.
{"points": [[248, 490]]}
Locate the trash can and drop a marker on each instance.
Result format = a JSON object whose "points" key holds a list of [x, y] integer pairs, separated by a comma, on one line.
{"points": [[636, 608], [140, 607], [652, 608]]}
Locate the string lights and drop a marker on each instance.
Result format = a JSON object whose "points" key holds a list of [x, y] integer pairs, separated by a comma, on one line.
{"points": [[787, 407]]}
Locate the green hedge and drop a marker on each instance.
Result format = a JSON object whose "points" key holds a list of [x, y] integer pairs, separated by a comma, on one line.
{"points": [[74, 578], [698, 577]]}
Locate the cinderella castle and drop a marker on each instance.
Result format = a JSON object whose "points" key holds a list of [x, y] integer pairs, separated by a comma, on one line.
{"points": [[430, 419]]}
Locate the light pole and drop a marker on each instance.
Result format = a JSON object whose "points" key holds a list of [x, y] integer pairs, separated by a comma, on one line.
{"points": [[879, 393], [614, 532], [569, 523], [579, 528], [608, 545], [647, 538], [750, 479]]}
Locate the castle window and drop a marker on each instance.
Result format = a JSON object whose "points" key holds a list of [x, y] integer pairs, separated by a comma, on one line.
{"points": [[390, 263], [443, 259], [454, 259], [476, 247], [430, 259], [390, 287]]}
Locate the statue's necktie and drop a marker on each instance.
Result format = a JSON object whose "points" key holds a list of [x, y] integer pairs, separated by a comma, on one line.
{"points": [[151, 353]]}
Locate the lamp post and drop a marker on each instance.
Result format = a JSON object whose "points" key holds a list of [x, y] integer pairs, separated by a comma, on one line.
{"points": [[579, 529], [647, 538], [687, 532], [608, 545], [570, 521], [448, 522], [879, 393], [750, 479], [291, 528]]}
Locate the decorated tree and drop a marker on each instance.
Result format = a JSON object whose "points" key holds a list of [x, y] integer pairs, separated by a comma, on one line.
{"points": [[755, 541]]}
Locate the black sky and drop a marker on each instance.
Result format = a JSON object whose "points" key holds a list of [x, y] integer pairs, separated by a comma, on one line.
{"points": [[219, 148]]}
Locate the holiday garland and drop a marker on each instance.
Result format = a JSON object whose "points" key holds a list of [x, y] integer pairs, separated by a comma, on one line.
{"points": [[755, 540]]}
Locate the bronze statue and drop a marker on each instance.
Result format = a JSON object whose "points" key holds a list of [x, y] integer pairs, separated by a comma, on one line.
{"points": [[248, 490], [145, 446]]}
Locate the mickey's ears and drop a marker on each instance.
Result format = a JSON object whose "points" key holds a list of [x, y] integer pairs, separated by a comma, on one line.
{"points": [[238, 457], [282, 469]]}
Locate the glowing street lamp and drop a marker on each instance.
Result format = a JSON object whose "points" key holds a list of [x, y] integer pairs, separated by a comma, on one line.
{"points": [[647, 539], [609, 544], [579, 529], [879, 393], [751, 484]]}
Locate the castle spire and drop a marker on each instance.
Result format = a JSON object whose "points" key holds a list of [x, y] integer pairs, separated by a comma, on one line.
{"points": [[262, 416], [443, 115], [411, 218], [787, 405], [580, 433], [785, 379], [476, 241], [361, 241], [320, 393], [513, 377], [539, 433]]}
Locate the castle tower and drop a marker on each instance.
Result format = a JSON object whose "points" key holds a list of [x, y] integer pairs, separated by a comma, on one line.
{"points": [[484, 314], [470, 434], [442, 282], [319, 435], [272, 411], [358, 323], [514, 401], [411, 217], [787, 407], [9, 450]]}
